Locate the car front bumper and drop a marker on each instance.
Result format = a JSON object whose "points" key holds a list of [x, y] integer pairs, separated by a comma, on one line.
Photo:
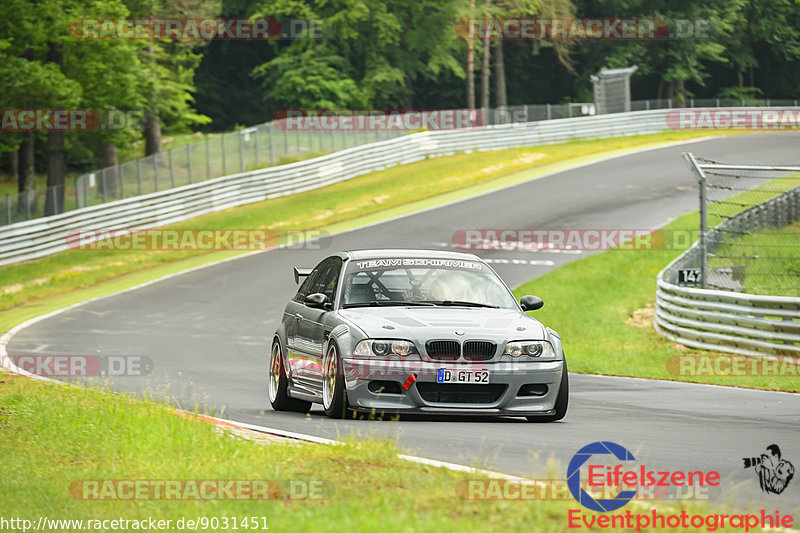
{"points": [[500, 397]]}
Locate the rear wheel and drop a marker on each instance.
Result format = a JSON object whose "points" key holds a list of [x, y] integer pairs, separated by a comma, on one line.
{"points": [[278, 385], [334, 394], [562, 401]]}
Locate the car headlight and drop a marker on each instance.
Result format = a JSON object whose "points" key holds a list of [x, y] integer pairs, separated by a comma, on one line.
{"points": [[385, 348], [538, 349]]}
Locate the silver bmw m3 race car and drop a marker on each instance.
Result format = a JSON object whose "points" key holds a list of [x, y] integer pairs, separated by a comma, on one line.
{"points": [[417, 332]]}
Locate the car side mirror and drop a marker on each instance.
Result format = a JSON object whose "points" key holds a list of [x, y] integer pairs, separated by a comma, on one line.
{"points": [[530, 303], [317, 301]]}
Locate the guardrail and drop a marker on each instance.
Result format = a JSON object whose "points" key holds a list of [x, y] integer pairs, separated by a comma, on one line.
{"points": [[282, 141], [40, 237], [724, 320], [728, 321]]}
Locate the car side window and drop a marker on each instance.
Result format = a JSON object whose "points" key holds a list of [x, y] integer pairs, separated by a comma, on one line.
{"points": [[328, 278], [307, 284]]}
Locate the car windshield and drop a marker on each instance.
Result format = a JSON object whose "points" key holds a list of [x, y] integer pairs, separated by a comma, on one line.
{"points": [[423, 282]]}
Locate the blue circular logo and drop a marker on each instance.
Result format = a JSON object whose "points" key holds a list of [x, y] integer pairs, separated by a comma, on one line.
{"points": [[574, 476]]}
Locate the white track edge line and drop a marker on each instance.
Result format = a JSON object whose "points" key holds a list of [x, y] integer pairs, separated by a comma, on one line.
{"points": [[321, 440]]}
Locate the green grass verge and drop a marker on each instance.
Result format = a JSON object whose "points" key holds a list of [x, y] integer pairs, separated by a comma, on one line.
{"points": [[602, 306], [53, 438], [34, 287], [766, 258], [769, 259]]}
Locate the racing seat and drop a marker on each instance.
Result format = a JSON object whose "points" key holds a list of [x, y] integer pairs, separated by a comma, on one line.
{"points": [[360, 294]]}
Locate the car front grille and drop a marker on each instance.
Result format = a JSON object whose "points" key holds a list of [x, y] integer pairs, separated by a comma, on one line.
{"points": [[443, 350], [479, 350], [460, 392]]}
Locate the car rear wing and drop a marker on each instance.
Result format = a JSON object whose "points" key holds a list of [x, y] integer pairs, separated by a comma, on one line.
{"points": [[301, 273]]}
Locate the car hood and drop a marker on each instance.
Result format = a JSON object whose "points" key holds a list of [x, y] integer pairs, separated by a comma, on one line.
{"points": [[423, 323]]}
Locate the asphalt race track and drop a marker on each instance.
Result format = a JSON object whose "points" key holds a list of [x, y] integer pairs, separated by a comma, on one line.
{"points": [[208, 333]]}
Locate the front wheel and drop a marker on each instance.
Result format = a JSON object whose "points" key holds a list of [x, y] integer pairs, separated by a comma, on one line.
{"points": [[334, 395], [278, 385], [562, 401]]}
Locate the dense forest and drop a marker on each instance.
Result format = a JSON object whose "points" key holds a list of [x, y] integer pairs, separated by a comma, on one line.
{"points": [[362, 54]]}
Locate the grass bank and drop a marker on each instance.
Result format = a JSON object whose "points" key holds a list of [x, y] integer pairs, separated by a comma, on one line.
{"points": [[56, 441]]}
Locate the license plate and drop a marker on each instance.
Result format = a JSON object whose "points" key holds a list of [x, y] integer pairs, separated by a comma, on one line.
{"points": [[446, 375]]}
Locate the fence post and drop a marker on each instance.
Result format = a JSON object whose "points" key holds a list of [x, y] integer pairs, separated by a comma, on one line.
{"points": [[224, 159], [549, 114], [255, 146], [8, 208], [28, 204], [241, 152], [701, 180], [271, 146], [120, 180], [208, 159], [155, 171], [105, 185], [189, 161], [139, 172], [171, 169]]}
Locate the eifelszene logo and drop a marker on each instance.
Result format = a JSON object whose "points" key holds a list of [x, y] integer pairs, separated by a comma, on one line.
{"points": [[593, 457], [774, 473], [574, 476]]}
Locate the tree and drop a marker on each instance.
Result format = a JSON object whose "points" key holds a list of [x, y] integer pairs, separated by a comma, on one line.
{"points": [[170, 65], [471, 64], [370, 55], [675, 61], [32, 80], [761, 28], [486, 54], [503, 9]]}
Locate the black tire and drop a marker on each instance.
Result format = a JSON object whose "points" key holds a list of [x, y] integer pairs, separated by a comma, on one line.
{"points": [[334, 394], [562, 401], [278, 384]]}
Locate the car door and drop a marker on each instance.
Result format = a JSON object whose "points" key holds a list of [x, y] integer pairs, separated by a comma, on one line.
{"points": [[297, 353], [314, 325]]}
